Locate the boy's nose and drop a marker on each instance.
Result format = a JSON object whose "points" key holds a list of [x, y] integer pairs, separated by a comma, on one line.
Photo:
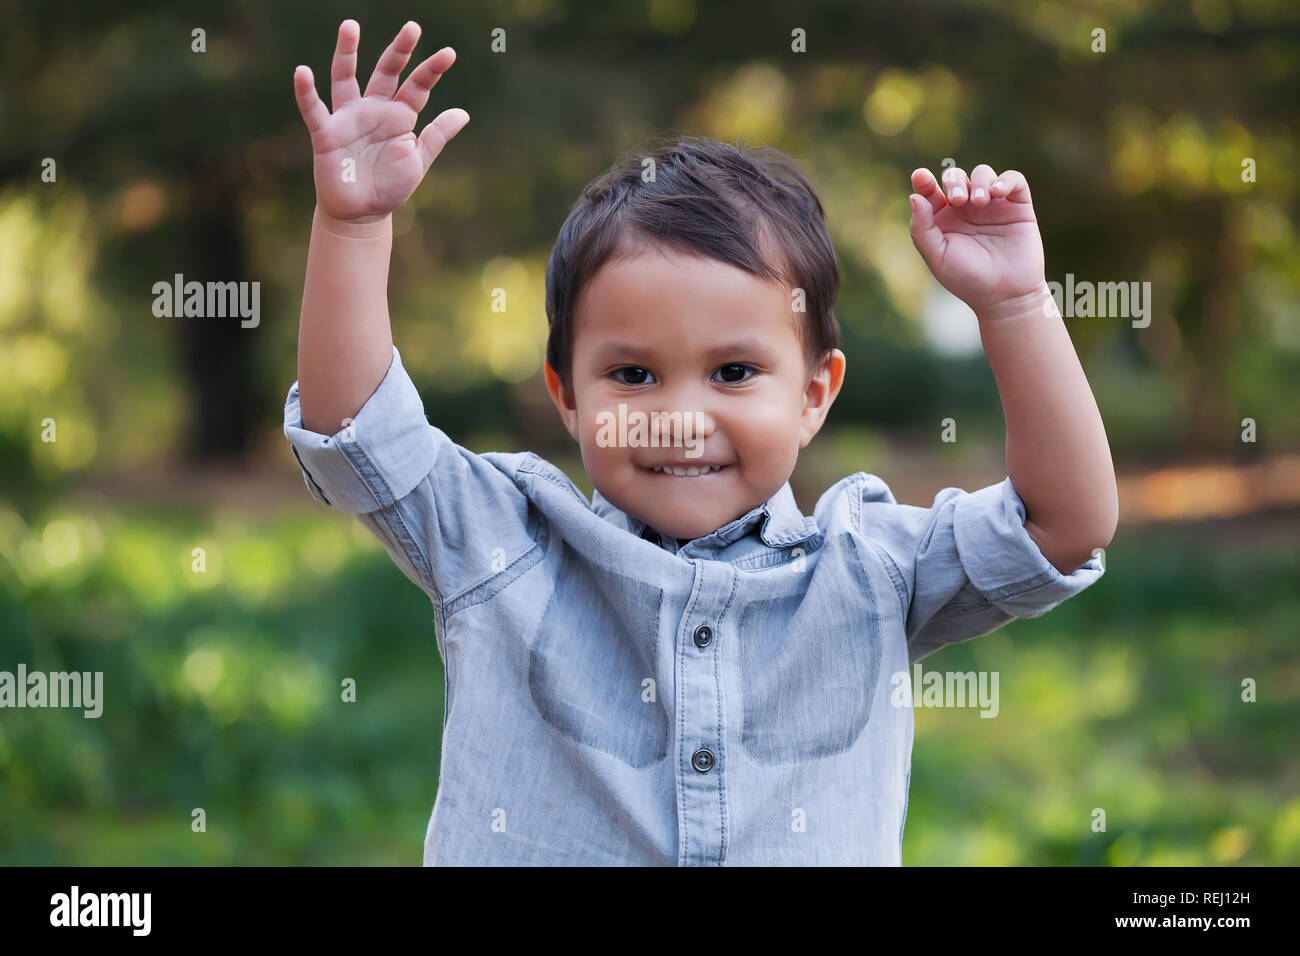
{"points": [[667, 425]]}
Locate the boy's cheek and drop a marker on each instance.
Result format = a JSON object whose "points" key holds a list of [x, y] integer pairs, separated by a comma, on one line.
{"points": [[768, 422], [606, 460]]}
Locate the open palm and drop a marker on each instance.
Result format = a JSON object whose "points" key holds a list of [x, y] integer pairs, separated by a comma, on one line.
{"points": [[979, 236], [367, 160]]}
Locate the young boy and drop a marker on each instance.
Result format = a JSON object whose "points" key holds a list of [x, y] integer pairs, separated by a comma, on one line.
{"points": [[686, 669]]}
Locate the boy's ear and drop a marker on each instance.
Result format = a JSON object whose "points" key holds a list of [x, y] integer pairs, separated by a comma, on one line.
{"points": [[562, 398], [820, 394]]}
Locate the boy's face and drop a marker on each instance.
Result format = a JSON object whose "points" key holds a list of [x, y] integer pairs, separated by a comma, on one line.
{"points": [[666, 333]]}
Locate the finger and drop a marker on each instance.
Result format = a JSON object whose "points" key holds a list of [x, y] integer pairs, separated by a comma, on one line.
{"points": [[313, 111], [415, 91], [926, 236], [927, 187], [1011, 185], [439, 133], [343, 71], [383, 82], [956, 185], [981, 177]]}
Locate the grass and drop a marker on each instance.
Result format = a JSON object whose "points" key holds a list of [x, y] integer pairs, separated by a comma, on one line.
{"points": [[224, 692]]}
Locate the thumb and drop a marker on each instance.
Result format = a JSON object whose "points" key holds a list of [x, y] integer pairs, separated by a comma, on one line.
{"points": [[439, 133], [926, 236]]}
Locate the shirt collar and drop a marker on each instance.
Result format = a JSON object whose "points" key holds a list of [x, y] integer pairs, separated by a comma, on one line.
{"points": [[779, 520]]}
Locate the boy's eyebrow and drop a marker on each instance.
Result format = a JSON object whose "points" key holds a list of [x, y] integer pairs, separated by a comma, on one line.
{"points": [[615, 350], [745, 346]]}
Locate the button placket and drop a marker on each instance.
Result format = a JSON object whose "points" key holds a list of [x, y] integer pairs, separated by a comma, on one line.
{"points": [[702, 808]]}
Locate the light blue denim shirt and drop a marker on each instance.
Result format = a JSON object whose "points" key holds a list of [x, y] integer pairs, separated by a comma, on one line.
{"points": [[613, 698]]}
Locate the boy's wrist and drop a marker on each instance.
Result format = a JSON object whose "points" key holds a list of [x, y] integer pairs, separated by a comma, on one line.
{"points": [[1036, 303], [364, 228]]}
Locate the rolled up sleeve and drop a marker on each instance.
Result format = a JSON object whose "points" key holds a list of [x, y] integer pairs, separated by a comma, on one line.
{"points": [[451, 519], [967, 564], [1001, 559], [377, 459]]}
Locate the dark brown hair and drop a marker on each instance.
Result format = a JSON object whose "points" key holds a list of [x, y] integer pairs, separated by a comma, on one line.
{"points": [[753, 209]]}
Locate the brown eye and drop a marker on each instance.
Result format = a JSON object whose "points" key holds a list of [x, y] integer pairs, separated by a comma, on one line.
{"points": [[638, 375], [729, 372]]}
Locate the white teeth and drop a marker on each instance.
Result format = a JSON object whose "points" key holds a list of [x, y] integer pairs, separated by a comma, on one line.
{"points": [[687, 472]]}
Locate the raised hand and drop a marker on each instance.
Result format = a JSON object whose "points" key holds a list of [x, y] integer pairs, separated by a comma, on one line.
{"points": [[367, 159], [979, 236]]}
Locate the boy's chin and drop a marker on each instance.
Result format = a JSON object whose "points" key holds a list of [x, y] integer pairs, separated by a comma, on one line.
{"points": [[686, 526], [665, 503]]}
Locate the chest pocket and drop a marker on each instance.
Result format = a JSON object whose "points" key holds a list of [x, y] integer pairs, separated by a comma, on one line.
{"points": [[591, 656], [810, 648]]}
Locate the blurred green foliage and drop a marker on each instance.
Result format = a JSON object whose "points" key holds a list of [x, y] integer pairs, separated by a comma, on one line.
{"points": [[222, 688], [222, 691], [171, 160]]}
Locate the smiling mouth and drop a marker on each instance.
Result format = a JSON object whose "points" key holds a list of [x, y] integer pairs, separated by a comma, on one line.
{"points": [[691, 471]]}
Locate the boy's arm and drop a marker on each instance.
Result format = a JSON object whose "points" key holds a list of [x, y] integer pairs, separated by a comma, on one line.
{"points": [[366, 161], [980, 238], [345, 343], [451, 519], [1058, 458]]}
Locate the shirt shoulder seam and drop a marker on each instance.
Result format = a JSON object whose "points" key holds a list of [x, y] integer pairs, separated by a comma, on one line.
{"points": [[891, 567], [392, 516]]}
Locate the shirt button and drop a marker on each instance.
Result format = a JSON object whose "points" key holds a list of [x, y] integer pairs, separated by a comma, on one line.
{"points": [[702, 760], [703, 636]]}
